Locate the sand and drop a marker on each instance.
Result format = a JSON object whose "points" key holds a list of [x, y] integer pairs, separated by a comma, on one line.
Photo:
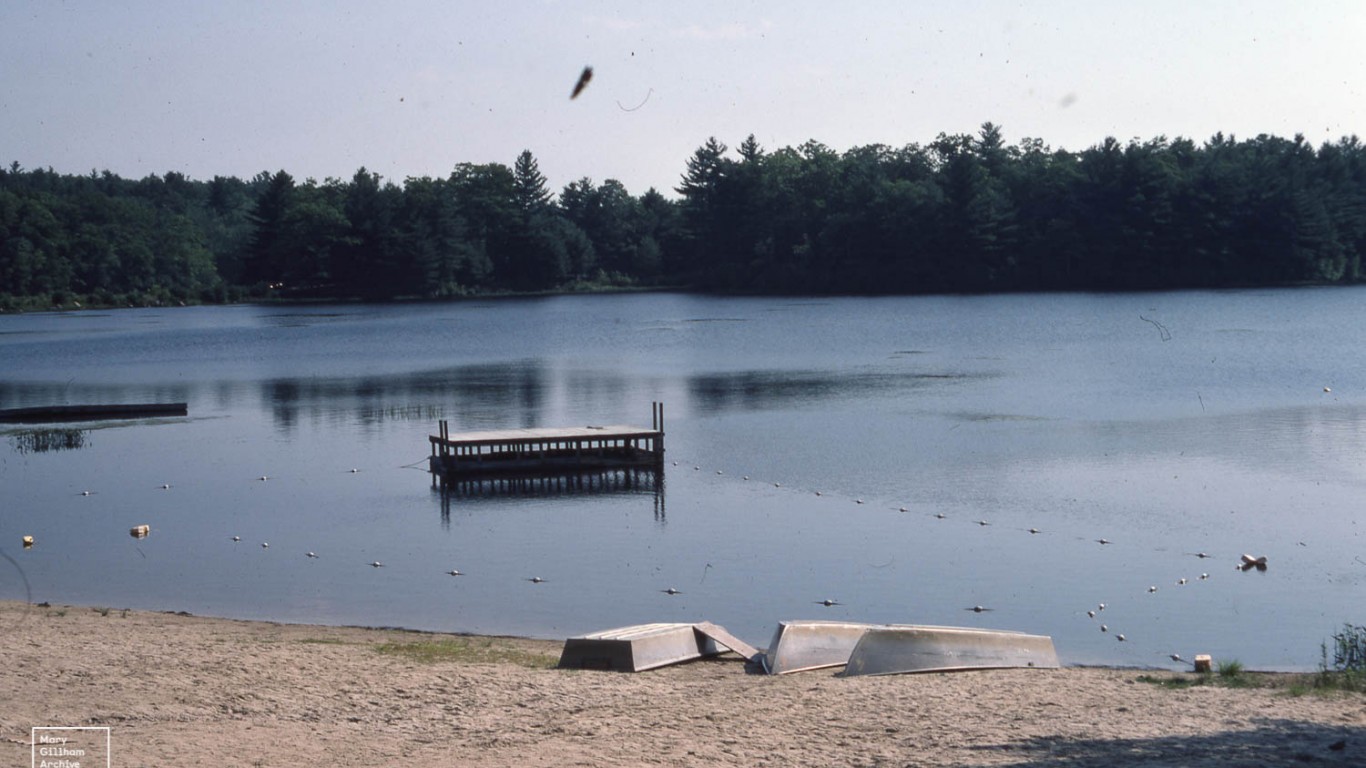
{"points": [[182, 690]]}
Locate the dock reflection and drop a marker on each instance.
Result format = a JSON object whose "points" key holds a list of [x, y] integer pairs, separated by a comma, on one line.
{"points": [[608, 482]]}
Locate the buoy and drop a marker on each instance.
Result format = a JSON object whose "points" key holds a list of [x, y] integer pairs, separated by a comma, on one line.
{"points": [[140, 531]]}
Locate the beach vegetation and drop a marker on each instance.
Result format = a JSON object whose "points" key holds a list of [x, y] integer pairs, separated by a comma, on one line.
{"points": [[1343, 663], [467, 650]]}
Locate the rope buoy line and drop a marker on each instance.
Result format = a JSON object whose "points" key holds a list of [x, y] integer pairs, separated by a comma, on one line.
{"points": [[1242, 565]]}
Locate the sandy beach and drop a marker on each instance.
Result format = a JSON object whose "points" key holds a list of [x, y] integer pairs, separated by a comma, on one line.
{"points": [[185, 690]]}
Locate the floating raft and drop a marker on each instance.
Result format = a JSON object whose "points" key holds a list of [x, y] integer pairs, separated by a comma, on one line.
{"points": [[649, 646], [61, 413], [538, 452]]}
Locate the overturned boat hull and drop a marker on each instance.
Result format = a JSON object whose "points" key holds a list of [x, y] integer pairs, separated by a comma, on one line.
{"points": [[894, 650], [649, 646], [798, 646]]}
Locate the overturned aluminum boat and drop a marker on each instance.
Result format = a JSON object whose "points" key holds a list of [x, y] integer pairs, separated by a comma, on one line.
{"points": [[798, 646], [893, 650], [649, 646], [885, 649]]}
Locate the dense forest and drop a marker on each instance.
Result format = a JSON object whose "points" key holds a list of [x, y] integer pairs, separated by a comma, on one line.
{"points": [[965, 213]]}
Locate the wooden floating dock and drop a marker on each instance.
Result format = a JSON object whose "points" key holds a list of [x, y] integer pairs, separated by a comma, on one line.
{"points": [[63, 413], [544, 452]]}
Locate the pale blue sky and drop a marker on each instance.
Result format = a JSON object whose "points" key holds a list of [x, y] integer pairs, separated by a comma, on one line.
{"points": [[410, 87]]}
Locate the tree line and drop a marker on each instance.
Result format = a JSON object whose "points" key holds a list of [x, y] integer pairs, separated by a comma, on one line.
{"points": [[965, 213]]}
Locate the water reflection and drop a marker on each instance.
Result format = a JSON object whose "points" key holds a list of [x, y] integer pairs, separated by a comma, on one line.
{"points": [[515, 391], [763, 390], [35, 394], [617, 482], [45, 440]]}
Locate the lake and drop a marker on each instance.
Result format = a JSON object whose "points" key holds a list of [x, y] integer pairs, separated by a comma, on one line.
{"points": [[890, 454]]}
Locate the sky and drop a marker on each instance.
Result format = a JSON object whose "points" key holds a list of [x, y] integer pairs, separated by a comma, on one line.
{"points": [[411, 88]]}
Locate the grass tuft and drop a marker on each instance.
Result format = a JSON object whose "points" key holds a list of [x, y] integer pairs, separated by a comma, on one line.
{"points": [[462, 650]]}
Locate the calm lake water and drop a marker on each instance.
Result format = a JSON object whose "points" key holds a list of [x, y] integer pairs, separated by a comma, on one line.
{"points": [[1167, 424]]}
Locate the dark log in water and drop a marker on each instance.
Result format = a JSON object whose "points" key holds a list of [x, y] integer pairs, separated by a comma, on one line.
{"points": [[60, 413]]}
